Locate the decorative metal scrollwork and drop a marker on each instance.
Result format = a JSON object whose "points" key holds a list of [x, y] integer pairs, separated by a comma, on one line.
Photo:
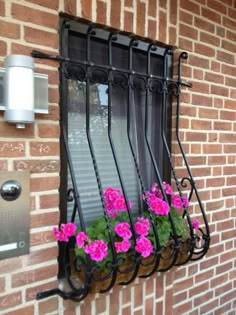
{"points": [[81, 274]]}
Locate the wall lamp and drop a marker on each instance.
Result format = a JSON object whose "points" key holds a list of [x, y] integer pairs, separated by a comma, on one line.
{"points": [[22, 91]]}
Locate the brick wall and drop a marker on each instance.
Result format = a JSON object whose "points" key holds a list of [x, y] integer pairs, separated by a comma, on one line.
{"points": [[206, 29]]}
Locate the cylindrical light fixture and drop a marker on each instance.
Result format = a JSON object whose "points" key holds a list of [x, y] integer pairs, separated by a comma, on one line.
{"points": [[19, 90]]}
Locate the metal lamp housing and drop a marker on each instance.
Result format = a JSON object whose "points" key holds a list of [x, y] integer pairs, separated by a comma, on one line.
{"points": [[19, 90]]}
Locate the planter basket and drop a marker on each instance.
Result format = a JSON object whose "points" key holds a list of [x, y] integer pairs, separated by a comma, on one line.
{"points": [[101, 280]]}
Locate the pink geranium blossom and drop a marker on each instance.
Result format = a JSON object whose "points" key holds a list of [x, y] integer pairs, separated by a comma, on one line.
{"points": [[68, 229], [144, 246], [59, 235], [158, 206], [176, 201], [123, 230], [123, 246], [168, 188], [81, 238], [142, 226], [97, 250], [195, 224]]}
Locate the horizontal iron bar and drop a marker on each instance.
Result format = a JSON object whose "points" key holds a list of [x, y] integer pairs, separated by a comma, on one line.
{"points": [[41, 55]]}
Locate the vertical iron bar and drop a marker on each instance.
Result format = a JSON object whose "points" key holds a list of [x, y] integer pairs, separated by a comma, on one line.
{"points": [[88, 55], [163, 121], [153, 158], [110, 82], [130, 66], [184, 55]]}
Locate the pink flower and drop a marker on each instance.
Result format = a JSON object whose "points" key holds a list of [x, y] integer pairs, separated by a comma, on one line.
{"points": [[195, 224], [154, 187], [142, 226], [143, 246], [119, 203], [123, 246], [68, 229], [81, 238], [60, 236], [159, 206], [97, 250], [123, 230], [168, 188], [176, 201]]}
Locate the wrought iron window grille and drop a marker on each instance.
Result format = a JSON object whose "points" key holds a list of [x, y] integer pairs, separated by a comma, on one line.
{"points": [[86, 72]]}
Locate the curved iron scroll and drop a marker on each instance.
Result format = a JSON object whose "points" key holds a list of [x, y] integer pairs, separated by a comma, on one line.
{"points": [[79, 273]]}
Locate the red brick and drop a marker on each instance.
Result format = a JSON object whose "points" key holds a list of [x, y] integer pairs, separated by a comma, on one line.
{"points": [[204, 50], [10, 300], [225, 57], [162, 26], [222, 125], [230, 138], [9, 30], [39, 37], [40, 238], [172, 36], [27, 310], [3, 48], [86, 9], [219, 90], [37, 166], [231, 35], [204, 24], [152, 6], [202, 100], [128, 21], [188, 31], [228, 46], [218, 281], [48, 306], [71, 7], [49, 201], [228, 70], [141, 10], [44, 148], [44, 219], [44, 183], [2, 8], [224, 267], [3, 165], [115, 13], [212, 149], [45, 3], [12, 149], [10, 265], [209, 39], [230, 104], [206, 296], [26, 14], [200, 125], [186, 17], [48, 130], [190, 6], [2, 284], [217, 6], [231, 24], [101, 12], [215, 182], [199, 87], [128, 3], [152, 29], [211, 15], [41, 255], [32, 276], [185, 44]]}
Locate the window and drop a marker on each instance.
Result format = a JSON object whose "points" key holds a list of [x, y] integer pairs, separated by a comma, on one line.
{"points": [[115, 124], [113, 75]]}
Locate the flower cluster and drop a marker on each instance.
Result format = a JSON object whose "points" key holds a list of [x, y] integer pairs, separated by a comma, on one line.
{"points": [[95, 242], [114, 201], [66, 230]]}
